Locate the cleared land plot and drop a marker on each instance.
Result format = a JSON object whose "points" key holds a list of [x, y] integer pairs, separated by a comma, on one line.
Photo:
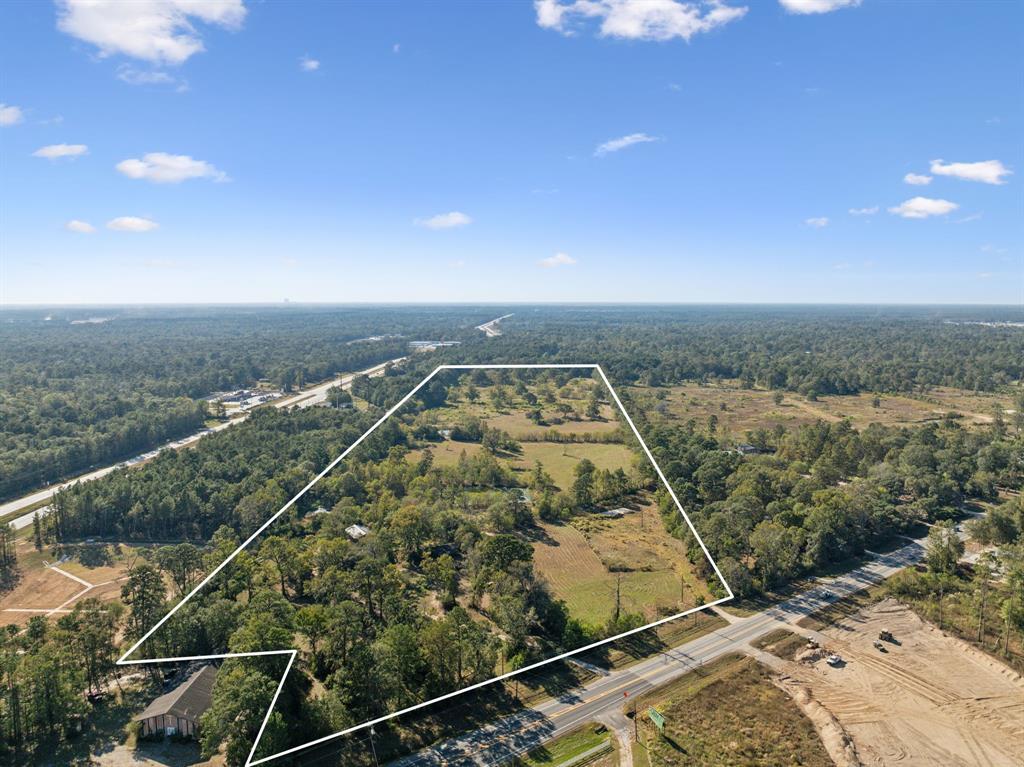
{"points": [[43, 588], [576, 566], [519, 426], [749, 409], [931, 699], [560, 459], [447, 453], [728, 713], [39, 588]]}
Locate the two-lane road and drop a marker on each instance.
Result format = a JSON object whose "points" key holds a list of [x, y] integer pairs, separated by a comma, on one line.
{"points": [[517, 734]]}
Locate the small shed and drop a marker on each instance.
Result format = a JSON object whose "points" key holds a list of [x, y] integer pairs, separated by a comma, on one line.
{"points": [[355, 532], [177, 712]]}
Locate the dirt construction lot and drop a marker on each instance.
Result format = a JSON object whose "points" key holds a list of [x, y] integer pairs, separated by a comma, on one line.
{"points": [[929, 700]]}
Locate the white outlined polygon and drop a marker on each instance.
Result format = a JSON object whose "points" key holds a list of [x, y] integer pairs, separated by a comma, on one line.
{"points": [[123, 660]]}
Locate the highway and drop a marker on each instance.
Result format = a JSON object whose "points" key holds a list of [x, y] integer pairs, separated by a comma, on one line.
{"points": [[306, 398], [604, 698], [491, 328]]}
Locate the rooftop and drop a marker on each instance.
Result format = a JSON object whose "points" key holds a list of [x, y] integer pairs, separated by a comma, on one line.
{"points": [[188, 700]]}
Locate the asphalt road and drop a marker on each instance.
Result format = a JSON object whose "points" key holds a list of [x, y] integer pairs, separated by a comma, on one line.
{"points": [[306, 398], [491, 328], [605, 696]]}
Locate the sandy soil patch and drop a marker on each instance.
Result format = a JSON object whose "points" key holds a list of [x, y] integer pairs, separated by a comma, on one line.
{"points": [[39, 588], [929, 700]]}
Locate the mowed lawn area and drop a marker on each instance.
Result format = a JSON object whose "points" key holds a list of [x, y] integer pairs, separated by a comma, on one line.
{"points": [[730, 714]]}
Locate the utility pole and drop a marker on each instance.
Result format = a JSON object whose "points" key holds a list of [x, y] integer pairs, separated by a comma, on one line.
{"points": [[373, 748]]}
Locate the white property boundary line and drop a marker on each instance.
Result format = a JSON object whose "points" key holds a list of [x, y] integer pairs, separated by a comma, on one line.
{"points": [[123, 660]]}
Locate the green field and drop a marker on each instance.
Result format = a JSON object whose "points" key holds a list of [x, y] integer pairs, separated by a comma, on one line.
{"points": [[560, 459]]}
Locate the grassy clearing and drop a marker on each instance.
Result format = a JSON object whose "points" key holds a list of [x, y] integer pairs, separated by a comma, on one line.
{"points": [[729, 713], [447, 453], [578, 566], [588, 738], [521, 427], [560, 459], [748, 409]]}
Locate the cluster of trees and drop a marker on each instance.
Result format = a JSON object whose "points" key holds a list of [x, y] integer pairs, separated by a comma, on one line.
{"points": [[8, 558], [437, 538], [453, 538], [48, 671], [982, 602], [826, 491], [238, 477], [75, 396]]}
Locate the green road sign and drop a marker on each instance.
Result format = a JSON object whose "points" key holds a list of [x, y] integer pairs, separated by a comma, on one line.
{"points": [[657, 718]]}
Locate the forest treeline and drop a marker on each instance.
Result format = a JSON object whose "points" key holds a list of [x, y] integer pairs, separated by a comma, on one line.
{"points": [[814, 496], [80, 396]]}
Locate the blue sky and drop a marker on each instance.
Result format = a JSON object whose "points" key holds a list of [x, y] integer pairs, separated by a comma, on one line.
{"points": [[453, 152]]}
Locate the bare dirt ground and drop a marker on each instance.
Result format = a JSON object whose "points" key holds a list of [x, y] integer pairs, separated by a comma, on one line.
{"points": [[929, 700], [165, 754], [39, 588]]}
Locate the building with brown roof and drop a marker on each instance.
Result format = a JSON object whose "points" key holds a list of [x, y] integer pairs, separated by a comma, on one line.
{"points": [[177, 712]]}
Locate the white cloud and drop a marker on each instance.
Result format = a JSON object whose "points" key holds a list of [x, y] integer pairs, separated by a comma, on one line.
{"points": [[10, 115], [917, 179], [638, 19], [309, 65], [864, 211], [987, 172], [396, 48], [616, 144], [132, 224], [817, 6], [163, 168], [82, 227], [817, 222], [134, 76], [923, 207], [559, 259], [55, 151], [450, 220], [161, 31]]}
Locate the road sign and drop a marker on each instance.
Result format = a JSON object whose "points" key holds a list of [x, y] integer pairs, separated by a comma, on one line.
{"points": [[657, 718]]}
